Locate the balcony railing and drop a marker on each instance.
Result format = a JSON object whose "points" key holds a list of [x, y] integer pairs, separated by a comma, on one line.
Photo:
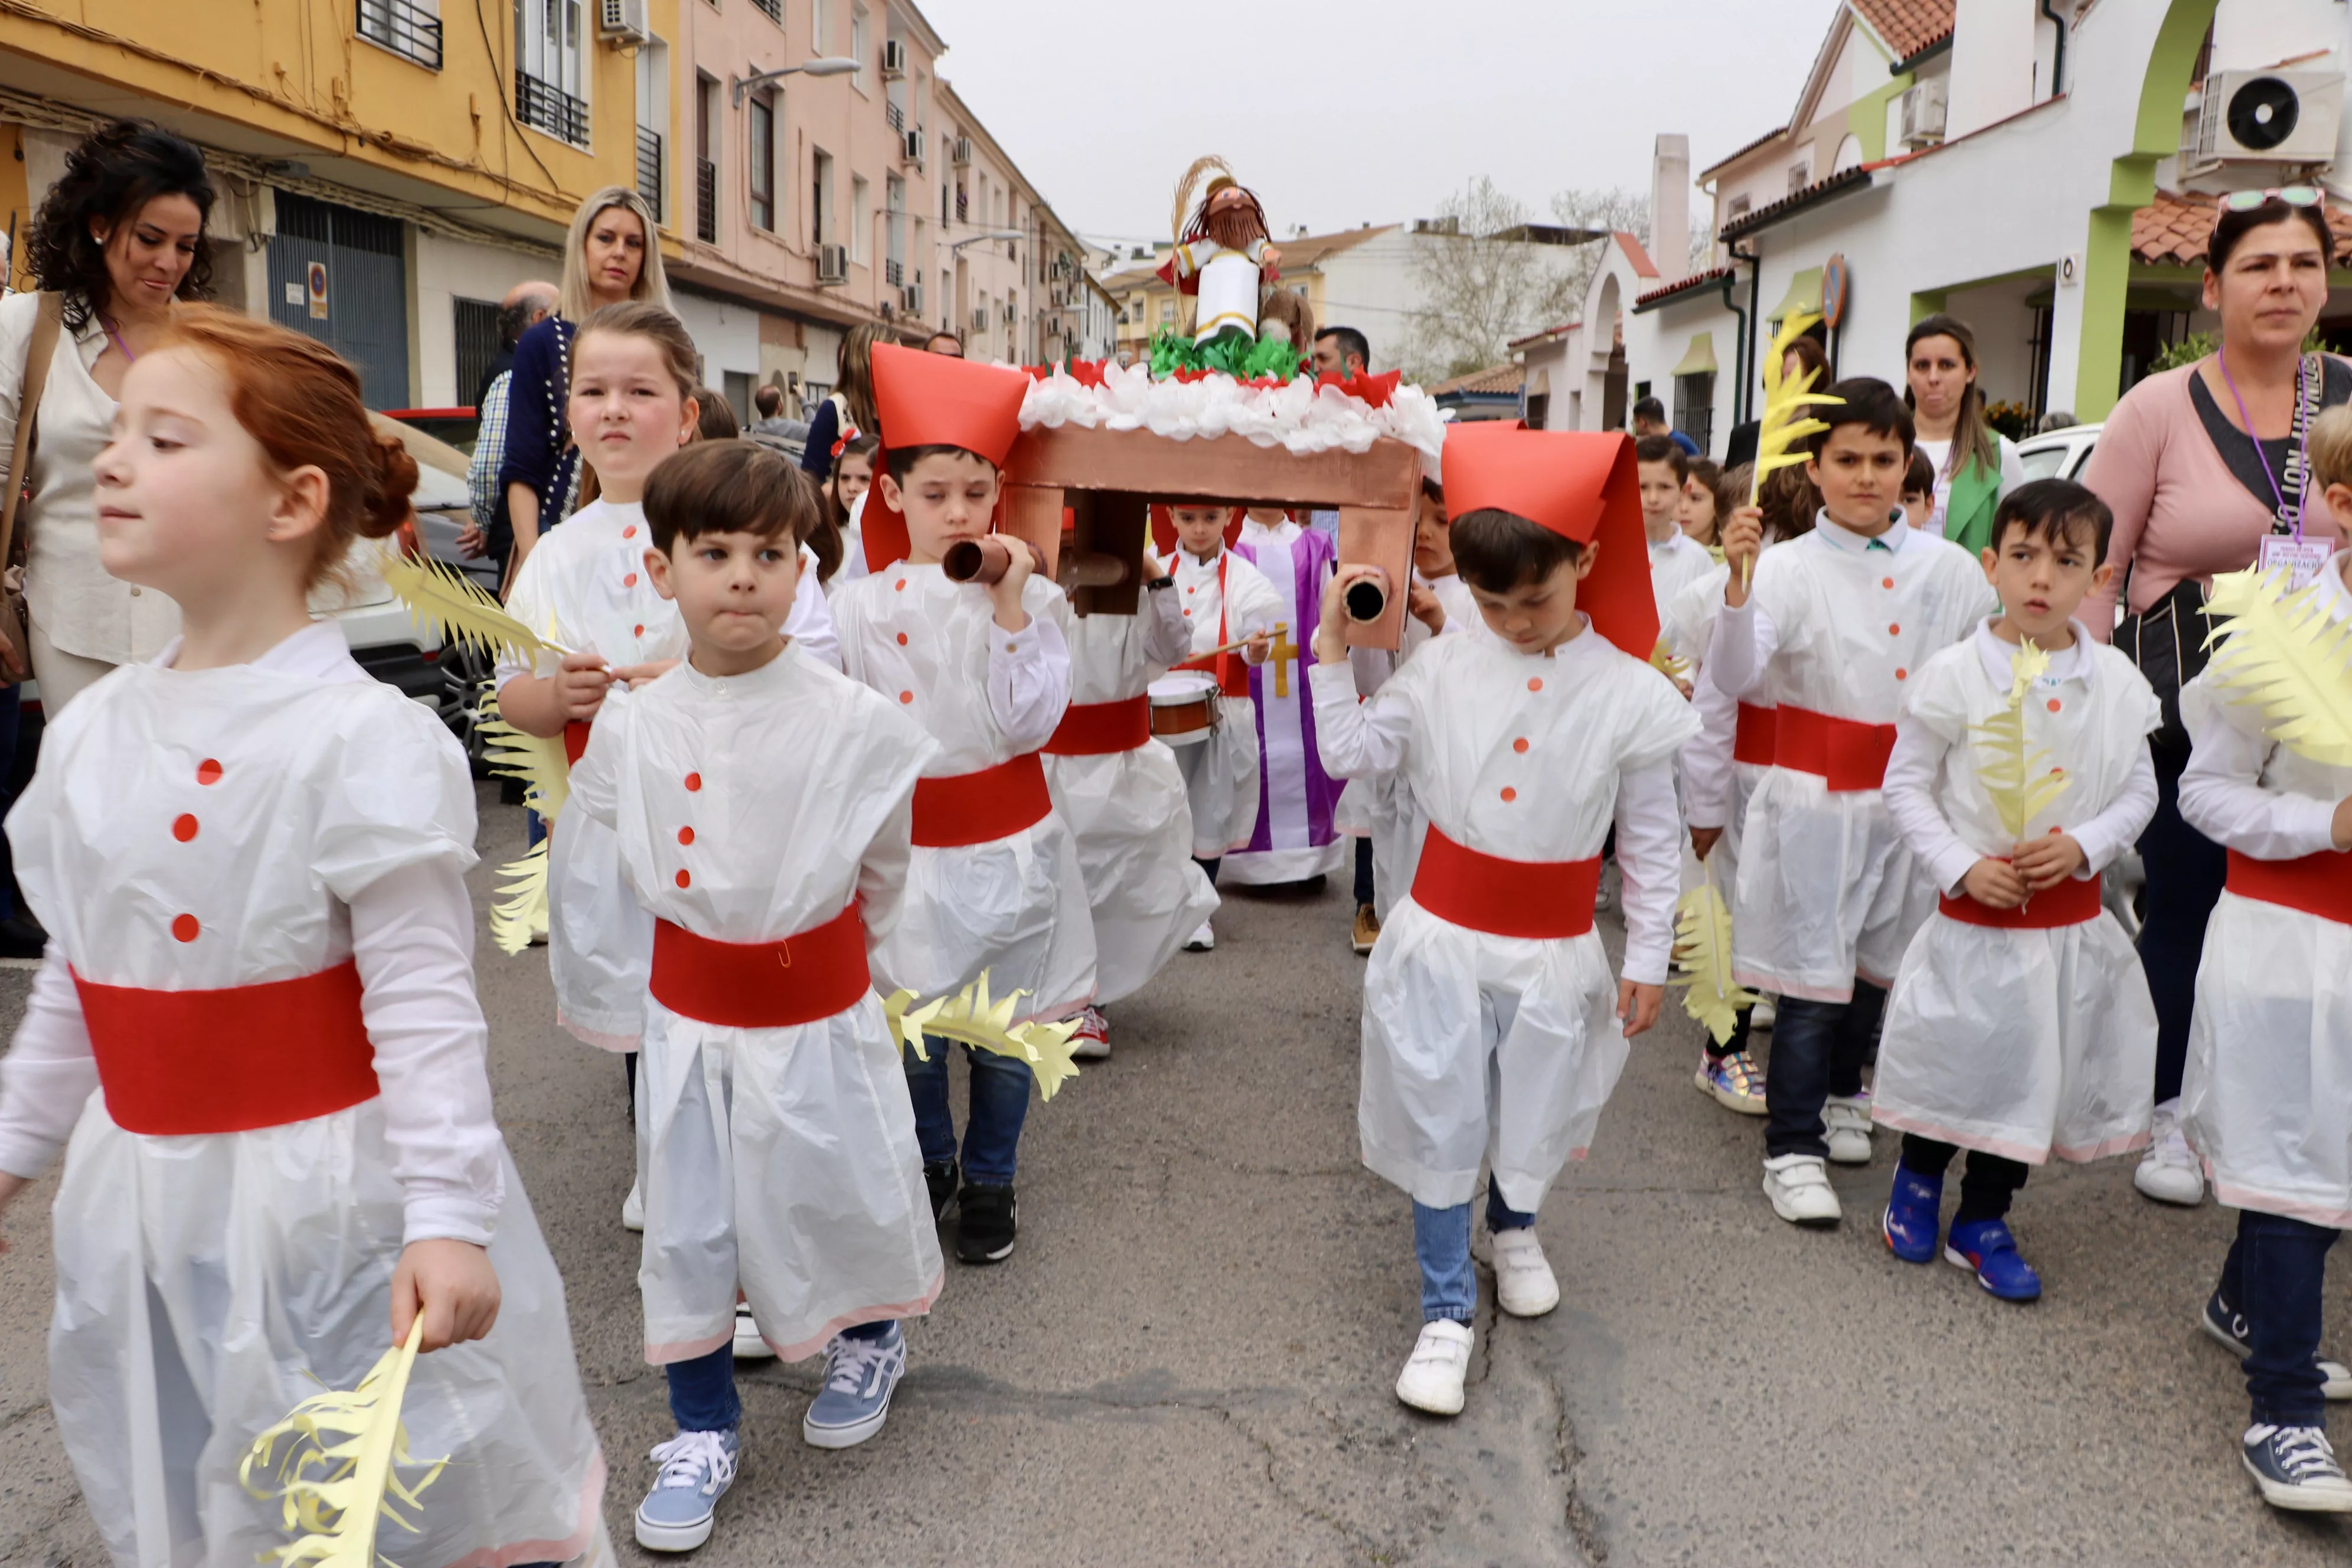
{"points": [[649, 169], [406, 29], [774, 8], [894, 272], [543, 106], [898, 119], [706, 201]]}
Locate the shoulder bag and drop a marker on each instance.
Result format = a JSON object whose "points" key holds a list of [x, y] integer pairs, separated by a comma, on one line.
{"points": [[16, 648]]}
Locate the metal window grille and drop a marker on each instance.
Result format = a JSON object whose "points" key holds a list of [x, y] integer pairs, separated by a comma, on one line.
{"points": [[774, 8], [894, 273], [474, 331], [706, 201], [649, 169], [898, 119], [405, 28], [545, 107]]}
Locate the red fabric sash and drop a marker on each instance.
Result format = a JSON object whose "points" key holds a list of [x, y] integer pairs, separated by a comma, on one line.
{"points": [[1099, 729], [1850, 756], [982, 807], [2070, 903], [575, 740], [2317, 884], [762, 984], [1230, 668], [177, 1063], [1754, 741], [1539, 899]]}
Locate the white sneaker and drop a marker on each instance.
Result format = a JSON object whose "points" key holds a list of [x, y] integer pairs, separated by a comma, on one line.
{"points": [[1091, 1042], [1764, 1014], [2168, 1170], [1524, 1286], [633, 1208], [1799, 1186], [748, 1345], [1202, 940], [1846, 1123], [1433, 1379]]}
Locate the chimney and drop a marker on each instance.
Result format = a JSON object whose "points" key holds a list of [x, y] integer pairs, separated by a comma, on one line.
{"points": [[1670, 188], [1993, 64]]}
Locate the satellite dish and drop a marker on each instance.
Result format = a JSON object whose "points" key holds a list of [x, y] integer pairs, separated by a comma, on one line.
{"points": [[2263, 113]]}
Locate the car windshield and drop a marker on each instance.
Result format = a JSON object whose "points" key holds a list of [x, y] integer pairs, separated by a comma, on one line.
{"points": [[2042, 462]]}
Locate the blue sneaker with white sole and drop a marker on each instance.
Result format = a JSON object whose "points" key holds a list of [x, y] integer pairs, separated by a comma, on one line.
{"points": [[697, 1469], [1985, 1247], [859, 1375], [1913, 1219]]}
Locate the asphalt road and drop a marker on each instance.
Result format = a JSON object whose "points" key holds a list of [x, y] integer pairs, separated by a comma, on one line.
{"points": [[1189, 1361]]}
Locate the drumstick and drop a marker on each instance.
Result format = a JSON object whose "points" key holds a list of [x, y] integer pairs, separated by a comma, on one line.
{"points": [[1278, 629]]}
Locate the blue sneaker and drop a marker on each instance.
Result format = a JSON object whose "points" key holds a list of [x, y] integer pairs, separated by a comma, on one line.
{"points": [[1913, 1218], [2228, 1327], [697, 1469], [2296, 1470], [859, 1375], [1986, 1247]]}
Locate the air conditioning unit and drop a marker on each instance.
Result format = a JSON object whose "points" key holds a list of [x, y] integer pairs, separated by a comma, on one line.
{"points": [[1924, 105], [913, 295], [2266, 117], [624, 21], [894, 60], [959, 152], [979, 319], [913, 146], [832, 263]]}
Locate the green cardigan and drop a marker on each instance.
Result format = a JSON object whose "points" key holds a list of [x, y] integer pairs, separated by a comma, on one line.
{"points": [[1976, 494]]}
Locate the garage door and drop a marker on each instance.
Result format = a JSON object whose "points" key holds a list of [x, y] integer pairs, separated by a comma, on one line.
{"points": [[342, 275]]}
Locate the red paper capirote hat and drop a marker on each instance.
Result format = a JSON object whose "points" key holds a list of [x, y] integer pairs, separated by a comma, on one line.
{"points": [[938, 400]]}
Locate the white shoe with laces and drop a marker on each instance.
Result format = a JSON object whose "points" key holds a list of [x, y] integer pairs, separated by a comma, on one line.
{"points": [[697, 1469], [1523, 1284], [633, 1208], [1202, 940], [748, 1345], [1845, 1124], [1439, 1364], [1799, 1186], [2169, 1171]]}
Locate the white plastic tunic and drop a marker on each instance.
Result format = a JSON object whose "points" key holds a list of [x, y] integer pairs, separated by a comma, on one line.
{"points": [[1128, 810], [585, 585], [750, 809], [1675, 565], [2025, 1043], [2268, 1096], [225, 827], [1839, 625], [1015, 906], [1502, 1049], [1229, 285], [1224, 599]]}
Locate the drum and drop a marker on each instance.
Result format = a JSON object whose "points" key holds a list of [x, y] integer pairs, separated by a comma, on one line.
{"points": [[1183, 706]]}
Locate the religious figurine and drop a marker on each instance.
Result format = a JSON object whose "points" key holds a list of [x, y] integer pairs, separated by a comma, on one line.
{"points": [[1221, 254]]}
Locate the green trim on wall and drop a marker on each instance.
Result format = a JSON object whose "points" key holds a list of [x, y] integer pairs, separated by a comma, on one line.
{"points": [[1928, 302], [1870, 108], [2131, 185]]}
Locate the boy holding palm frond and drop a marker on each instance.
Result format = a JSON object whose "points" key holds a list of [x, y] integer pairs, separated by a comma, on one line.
{"points": [[2019, 1026]]}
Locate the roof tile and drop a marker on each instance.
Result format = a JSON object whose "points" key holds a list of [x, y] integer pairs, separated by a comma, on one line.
{"points": [[1494, 378], [2172, 231], [1908, 26]]}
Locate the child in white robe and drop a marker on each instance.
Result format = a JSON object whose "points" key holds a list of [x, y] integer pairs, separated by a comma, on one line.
{"points": [[1492, 1031], [1677, 559], [993, 884], [1837, 624], [2019, 1026], [761, 802], [1224, 600], [249, 857], [2270, 1045], [1123, 797]]}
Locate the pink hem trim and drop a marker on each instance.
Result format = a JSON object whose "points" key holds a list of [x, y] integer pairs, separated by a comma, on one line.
{"points": [[592, 1504], [2231, 1195], [2129, 1143], [1756, 980], [2008, 1149], [685, 1350], [597, 1037], [823, 1337]]}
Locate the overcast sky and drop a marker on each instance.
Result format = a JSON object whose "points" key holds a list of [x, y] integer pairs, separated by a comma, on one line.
{"points": [[1342, 113]]}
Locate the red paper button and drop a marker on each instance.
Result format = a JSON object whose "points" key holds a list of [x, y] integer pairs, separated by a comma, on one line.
{"points": [[1886, 582], [630, 581], [1535, 683], [184, 927], [901, 586], [906, 697], [684, 880], [184, 828], [630, 532], [1894, 631], [686, 836], [1510, 794], [208, 772], [1520, 745], [2053, 705], [693, 783], [1902, 675], [641, 631], [902, 639]]}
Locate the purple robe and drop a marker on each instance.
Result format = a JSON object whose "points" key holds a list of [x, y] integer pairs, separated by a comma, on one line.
{"points": [[1294, 837]]}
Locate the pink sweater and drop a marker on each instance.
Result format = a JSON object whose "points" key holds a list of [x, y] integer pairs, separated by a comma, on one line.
{"points": [[2179, 512]]}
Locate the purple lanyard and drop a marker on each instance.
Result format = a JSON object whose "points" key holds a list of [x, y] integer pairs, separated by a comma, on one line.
{"points": [[2301, 429]]}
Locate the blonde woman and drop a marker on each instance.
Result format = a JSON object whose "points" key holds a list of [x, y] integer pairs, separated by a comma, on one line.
{"points": [[611, 254], [849, 412]]}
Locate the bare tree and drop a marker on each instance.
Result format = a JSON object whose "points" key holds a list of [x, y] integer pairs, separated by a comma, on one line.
{"points": [[1481, 285], [1604, 211]]}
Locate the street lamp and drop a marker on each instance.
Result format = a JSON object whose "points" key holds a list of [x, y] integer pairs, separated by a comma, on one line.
{"points": [[831, 66]]}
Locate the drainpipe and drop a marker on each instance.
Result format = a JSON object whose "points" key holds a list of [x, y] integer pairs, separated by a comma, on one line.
{"points": [[1739, 348], [2057, 52], [1755, 316]]}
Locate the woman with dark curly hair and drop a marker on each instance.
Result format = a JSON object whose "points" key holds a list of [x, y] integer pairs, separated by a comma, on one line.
{"points": [[120, 237]]}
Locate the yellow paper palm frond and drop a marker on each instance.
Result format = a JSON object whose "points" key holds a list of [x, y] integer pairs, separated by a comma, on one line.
{"points": [[538, 761], [1189, 185], [1703, 961], [1785, 427], [972, 1018], [519, 913], [454, 606], [2283, 653], [1662, 659], [2016, 774], [341, 1463]]}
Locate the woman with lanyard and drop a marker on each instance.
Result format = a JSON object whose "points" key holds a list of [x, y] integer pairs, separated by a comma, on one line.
{"points": [[610, 256], [1975, 464], [2205, 468], [849, 412]]}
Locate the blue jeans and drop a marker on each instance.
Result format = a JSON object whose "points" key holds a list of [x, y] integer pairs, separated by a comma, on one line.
{"points": [[2185, 873], [1818, 1050], [2273, 1274], [1365, 891], [1209, 868], [1440, 1244], [702, 1393], [991, 1129]]}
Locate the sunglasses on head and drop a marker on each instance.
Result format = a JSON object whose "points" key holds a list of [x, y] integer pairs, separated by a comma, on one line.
{"points": [[2290, 196]]}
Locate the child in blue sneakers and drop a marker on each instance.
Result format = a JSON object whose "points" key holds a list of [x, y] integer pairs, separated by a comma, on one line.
{"points": [[2019, 1026]]}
